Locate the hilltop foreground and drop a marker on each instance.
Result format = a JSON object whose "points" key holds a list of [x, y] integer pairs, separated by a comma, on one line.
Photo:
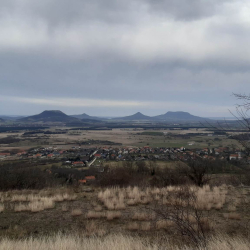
{"points": [[125, 218]]}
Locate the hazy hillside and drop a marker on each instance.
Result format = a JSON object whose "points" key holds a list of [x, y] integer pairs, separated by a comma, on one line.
{"points": [[49, 116], [178, 116], [85, 117], [169, 117], [59, 116], [136, 117], [10, 118]]}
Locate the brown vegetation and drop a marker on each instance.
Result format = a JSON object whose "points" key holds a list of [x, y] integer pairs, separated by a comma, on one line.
{"points": [[76, 212], [113, 242]]}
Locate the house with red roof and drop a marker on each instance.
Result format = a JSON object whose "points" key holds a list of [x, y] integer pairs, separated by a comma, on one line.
{"points": [[3, 155], [78, 164]]}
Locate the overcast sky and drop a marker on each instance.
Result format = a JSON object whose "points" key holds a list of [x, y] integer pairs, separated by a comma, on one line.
{"points": [[113, 58]]}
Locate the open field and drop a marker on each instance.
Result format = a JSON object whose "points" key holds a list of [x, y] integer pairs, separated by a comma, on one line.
{"points": [[128, 137]]}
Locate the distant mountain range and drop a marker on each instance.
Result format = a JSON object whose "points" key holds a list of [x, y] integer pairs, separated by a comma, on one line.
{"points": [[168, 117], [178, 116], [59, 116], [1, 120], [136, 117], [10, 118], [86, 117], [223, 118]]}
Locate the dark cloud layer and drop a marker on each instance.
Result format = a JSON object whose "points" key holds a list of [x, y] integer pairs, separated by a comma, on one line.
{"points": [[156, 55], [64, 12]]}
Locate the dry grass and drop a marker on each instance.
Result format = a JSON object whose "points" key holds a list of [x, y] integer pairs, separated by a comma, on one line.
{"points": [[231, 208], [143, 216], [113, 199], [65, 208], [133, 226], [164, 224], [76, 212], [113, 242], [64, 197], [228, 243], [34, 195], [92, 228], [232, 216], [35, 201], [111, 215], [110, 201], [95, 215], [206, 198], [145, 226], [2, 207], [35, 206], [98, 208]]}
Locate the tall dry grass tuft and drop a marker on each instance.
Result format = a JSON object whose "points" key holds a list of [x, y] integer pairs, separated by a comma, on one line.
{"points": [[60, 242], [34, 201], [76, 212], [2, 207], [113, 242], [98, 208], [113, 198], [95, 215], [133, 226], [94, 229], [143, 216], [207, 198], [145, 226], [23, 195], [65, 208], [35, 206], [227, 243], [232, 216], [164, 224], [111, 215], [231, 208]]}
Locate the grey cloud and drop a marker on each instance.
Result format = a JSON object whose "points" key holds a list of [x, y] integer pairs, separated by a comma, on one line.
{"points": [[146, 50], [40, 76], [187, 10], [66, 13]]}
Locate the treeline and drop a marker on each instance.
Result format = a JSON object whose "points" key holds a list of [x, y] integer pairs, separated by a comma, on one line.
{"points": [[24, 175], [194, 172]]}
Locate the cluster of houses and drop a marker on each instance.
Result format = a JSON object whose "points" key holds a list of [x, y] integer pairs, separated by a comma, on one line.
{"points": [[148, 153], [80, 157]]}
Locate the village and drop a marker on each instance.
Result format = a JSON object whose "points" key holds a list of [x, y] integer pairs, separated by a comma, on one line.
{"points": [[85, 157]]}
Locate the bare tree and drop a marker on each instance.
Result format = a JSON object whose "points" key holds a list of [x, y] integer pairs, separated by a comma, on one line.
{"points": [[243, 119], [242, 123], [198, 171], [183, 210]]}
